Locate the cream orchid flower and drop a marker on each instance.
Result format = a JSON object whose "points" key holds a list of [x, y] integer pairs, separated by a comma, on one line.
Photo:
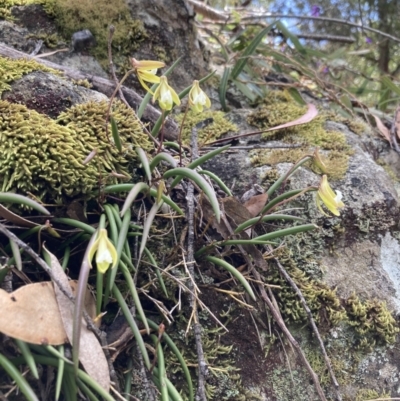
{"points": [[166, 95], [146, 71], [197, 98], [329, 198], [106, 253]]}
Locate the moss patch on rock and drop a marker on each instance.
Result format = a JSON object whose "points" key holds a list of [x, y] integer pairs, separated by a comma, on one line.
{"points": [[45, 156], [218, 126], [370, 320], [97, 16], [11, 70], [279, 108]]}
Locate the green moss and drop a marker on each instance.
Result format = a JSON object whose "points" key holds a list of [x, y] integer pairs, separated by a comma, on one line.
{"points": [[388, 170], [45, 157], [97, 16], [51, 41], [279, 108], [213, 131], [323, 301], [372, 320], [11, 70], [224, 382], [367, 394], [6, 5]]}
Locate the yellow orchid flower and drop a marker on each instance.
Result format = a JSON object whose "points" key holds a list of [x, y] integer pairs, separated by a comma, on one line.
{"points": [[329, 198], [166, 95], [106, 254], [146, 71], [197, 98]]}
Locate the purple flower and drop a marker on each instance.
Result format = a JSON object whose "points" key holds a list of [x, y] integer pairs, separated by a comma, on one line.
{"points": [[368, 40], [315, 11], [325, 70]]}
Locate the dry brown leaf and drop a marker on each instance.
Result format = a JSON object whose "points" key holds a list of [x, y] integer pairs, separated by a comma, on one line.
{"points": [[91, 354], [14, 218], [31, 313], [382, 129], [256, 203], [235, 214], [311, 113]]}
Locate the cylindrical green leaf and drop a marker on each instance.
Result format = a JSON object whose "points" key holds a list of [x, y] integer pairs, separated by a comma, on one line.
{"points": [[21, 382], [235, 273], [201, 182]]}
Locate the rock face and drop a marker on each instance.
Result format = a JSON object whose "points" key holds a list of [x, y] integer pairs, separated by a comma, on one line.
{"points": [[355, 257], [171, 34], [358, 255]]}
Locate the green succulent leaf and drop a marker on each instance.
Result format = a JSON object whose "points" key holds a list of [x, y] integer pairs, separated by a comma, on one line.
{"points": [[201, 182], [235, 273]]}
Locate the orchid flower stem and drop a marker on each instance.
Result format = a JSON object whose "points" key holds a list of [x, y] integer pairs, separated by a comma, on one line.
{"points": [[180, 134], [161, 132], [285, 198], [79, 302], [99, 291], [113, 96]]}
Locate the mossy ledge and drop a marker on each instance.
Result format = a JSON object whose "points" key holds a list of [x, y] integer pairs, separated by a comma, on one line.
{"points": [[45, 157], [11, 70], [279, 108], [219, 125], [97, 16]]}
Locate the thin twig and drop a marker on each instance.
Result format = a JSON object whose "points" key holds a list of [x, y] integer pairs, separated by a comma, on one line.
{"points": [[277, 317], [203, 369], [111, 31], [313, 325], [265, 15]]}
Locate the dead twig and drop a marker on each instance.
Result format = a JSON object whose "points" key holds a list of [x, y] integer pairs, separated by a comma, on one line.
{"points": [[313, 326], [203, 369], [278, 319]]}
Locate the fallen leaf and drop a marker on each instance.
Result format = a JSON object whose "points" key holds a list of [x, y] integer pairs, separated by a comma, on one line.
{"points": [[14, 218], [91, 354], [31, 313], [256, 203], [382, 129], [235, 214], [311, 113]]}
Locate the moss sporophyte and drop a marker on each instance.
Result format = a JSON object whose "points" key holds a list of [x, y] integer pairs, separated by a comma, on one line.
{"points": [[106, 253]]}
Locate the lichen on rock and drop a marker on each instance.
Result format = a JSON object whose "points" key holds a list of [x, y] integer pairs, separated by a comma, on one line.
{"points": [[45, 157]]}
